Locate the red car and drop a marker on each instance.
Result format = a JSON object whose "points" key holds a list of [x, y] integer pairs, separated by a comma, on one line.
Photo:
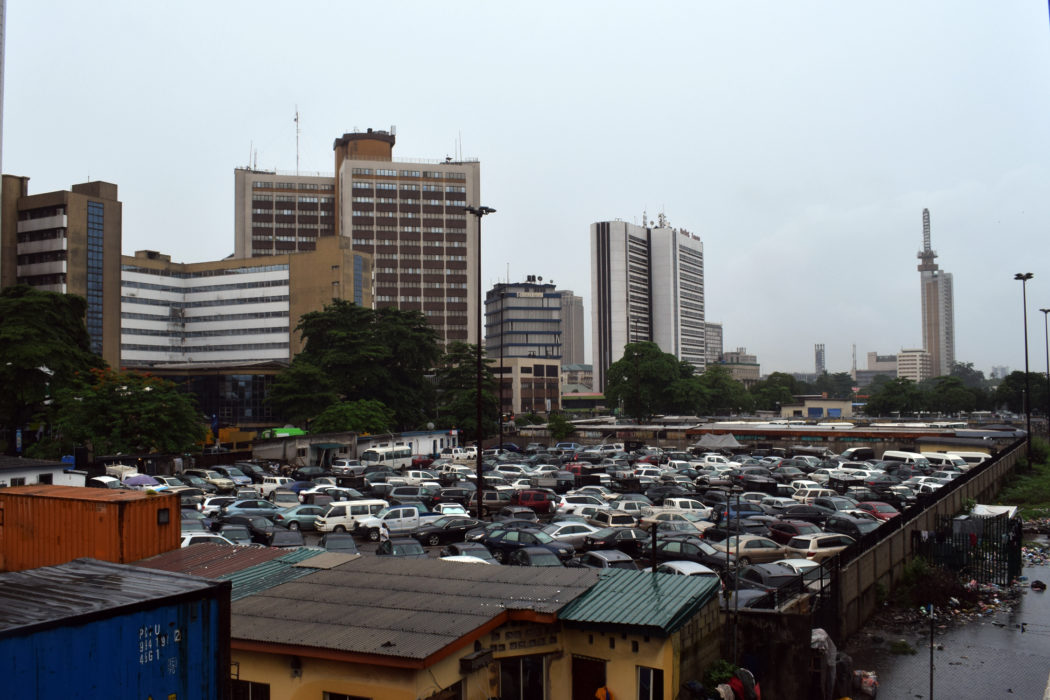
{"points": [[782, 531], [422, 461], [539, 500], [878, 509]]}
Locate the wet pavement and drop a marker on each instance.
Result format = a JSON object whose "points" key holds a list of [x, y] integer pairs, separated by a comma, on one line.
{"points": [[1001, 653]]}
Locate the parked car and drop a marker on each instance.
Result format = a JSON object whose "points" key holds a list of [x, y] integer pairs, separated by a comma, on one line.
{"points": [[259, 526], [471, 549], [630, 540], [449, 528], [502, 542], [341, 542], [191, 538], [881, 510], [782, 531], [571, 532], [855, 527], [688, 568], [217, 480], [607, 559], [301, 517], [250, 506], [401, 547], [751, 549], [534, 556], [238, 534], [285, 538], [779, 581], [612, 518], [234, 474], [817, 547], [689, 549]]}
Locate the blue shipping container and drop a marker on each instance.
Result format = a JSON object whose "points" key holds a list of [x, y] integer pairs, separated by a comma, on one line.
{"points": [[101, 630]]}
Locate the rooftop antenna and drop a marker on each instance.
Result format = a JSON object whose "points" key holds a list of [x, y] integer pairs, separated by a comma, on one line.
{"points": [[251, 149], [297, 131]]}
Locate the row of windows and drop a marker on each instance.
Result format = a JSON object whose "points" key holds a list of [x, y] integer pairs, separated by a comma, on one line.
{"points": [[47, 234], [391, 187], [199, 304], [43, 280], [207, 288], [41, 213], [434, 174], [42, 257], [259, 184], [208, 348], [205, 273], [205, 334], [205, 319]]}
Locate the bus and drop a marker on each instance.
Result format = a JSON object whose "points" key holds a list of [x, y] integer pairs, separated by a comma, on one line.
{"points": [[397, 458]]}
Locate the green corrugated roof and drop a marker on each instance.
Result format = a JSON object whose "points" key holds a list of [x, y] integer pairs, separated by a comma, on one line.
{"points": [[639, 598], [272, 573]]}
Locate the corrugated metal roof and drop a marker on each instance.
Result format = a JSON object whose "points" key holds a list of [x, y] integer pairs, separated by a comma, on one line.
{"points": [[211, 560], [642, 599], [83, 586], [404, 608], [79, 493], [7, 462], [327, 560], [272, 573]]}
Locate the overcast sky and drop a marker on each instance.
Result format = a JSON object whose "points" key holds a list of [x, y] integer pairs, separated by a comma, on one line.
{"points": [[800, 140]]}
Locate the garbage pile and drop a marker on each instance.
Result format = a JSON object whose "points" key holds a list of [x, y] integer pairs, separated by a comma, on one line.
{"points": [[1034, 554]]}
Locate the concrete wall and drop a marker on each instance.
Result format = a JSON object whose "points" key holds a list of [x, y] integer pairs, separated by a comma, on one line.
{"points": [[883, 563]]}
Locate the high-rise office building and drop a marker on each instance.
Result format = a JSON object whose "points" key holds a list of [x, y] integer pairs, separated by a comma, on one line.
{"points": [[409, 215], [647, 284], [68, 242], [524, 319], [938, 311], [914, 364], [713, 342], [571, 329]]}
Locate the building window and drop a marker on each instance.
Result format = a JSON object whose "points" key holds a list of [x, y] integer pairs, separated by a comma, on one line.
{"points": [[650, 683], [247, 690], [521, 678], [18, 481]]}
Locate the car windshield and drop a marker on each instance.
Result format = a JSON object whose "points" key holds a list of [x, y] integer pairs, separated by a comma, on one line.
{"points": [[408, 548], [543, 537]]}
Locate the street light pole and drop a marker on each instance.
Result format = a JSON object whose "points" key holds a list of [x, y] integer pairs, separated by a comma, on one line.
{"points": [[1046, 340], [1023, 278], [480, 488], [502, 301]]}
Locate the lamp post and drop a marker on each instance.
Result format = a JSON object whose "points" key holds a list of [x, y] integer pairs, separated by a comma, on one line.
{"points": [[1046, 341], [1023, 278], [502, 301], [479, 212]]}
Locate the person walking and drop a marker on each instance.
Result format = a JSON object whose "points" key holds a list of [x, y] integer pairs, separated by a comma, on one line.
{"points": [[384, 532]]}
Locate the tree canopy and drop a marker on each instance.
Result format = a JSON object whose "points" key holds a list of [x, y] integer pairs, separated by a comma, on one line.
{"points": [[361, 416], [647, 381], [352, 353], [128, 412], [456, 384], [44, 346]]}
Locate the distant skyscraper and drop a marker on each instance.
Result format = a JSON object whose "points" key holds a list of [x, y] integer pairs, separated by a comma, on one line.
{"points": [[408, 215], [818, 359], [713, 342], [571, 329], [938, 311], [647, 284]]}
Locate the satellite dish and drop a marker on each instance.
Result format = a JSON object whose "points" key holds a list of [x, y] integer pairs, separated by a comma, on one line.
{"points": [[430, 426]]}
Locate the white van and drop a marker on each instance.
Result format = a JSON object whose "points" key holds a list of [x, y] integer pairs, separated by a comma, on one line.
{"points": [[972, 459], [345, 516], [941, 459], [902, 456], [806, 496]]}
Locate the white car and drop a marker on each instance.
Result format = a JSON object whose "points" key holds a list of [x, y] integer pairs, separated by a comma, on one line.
{"points": [[192, 538], [570, 503], [687, 568]]}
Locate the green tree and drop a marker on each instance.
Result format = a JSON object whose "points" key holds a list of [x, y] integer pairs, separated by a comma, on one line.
{"points": [[361, 353], [778, 389], [949, 395], [1010, 392], [362, 416], [301, 392], [723, 395], [456, 384], [559, 427], [837, 386], [44, 345], [647, 381], [898, 396], [129, 412]]}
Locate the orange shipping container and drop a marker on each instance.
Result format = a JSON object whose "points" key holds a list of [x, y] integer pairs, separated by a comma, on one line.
{"points": [[45, 525]]}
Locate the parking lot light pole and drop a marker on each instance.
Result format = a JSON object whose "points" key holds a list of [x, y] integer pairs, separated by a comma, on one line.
{"points": [[1023, 278], [1046, 341], [480, 488]]}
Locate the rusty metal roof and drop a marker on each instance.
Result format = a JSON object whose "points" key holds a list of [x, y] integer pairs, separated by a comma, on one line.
{"points": [[211, 560], [8, 463], [403, 608], [660, 602], [79, 493]]}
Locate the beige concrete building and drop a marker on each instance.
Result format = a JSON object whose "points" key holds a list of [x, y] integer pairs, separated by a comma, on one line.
{"points": [[913, 364], [742, 367], [408, 215], [815, 407], [530, 384], [233, 310], [67, 242]]}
